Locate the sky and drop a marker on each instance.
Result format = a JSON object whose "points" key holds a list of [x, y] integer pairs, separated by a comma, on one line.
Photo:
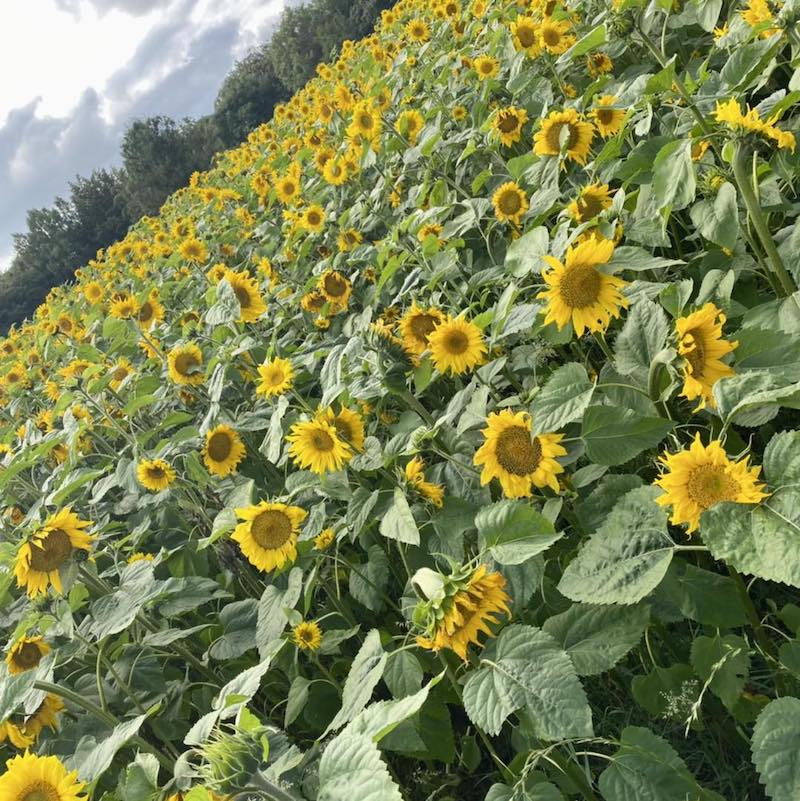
{"points": [[75, 73]]}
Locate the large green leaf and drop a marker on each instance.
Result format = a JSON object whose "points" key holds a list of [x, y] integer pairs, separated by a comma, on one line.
{"points": [[92, 757], [398, 522], [776, 748], [562, 400], [513, 531], [626, 558], [525, 667], [723, 662], [614, 436], [642, 337], [674, 181], [718, 219], [351, 767]]}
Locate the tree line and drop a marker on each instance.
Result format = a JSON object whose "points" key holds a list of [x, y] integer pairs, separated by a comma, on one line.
{"points": [[159, 154]]}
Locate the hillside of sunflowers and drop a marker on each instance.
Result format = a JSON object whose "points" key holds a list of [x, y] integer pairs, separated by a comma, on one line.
{"points": [[441, 442]]}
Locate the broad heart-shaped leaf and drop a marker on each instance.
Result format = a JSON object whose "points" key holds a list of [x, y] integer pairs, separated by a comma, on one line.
{"points": [[540, 791], [723, 662], [781, 461], [272, 619], [398, 522], [525, 667], [626, 558], [614, 436], [597, 637], [351, 767], [776, 748], [92, 758], [674, 181], [513, 531], [116, 611], [761, 540], [562, 399], [753, 398], [718, 219], [642, 337], [647, 768]]}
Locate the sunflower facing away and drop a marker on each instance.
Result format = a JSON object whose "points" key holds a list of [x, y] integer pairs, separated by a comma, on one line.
{"points": [[25, 654], [186, 364], [467, 605], [517, 459], [702, 476], [592, 201], [579, 292], [155, 474], [416, 325], [415, 476], [456, 345], [510, 203], [307, 636], [35, 778], [564, 129], [702, 345], [223, 451], [42, 556], [315, 445], [268, 533], [245, 287], [276, 377]]}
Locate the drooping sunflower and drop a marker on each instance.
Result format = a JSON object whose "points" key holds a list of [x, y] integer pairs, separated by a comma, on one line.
{"points": [[348, 239], [456, 345], [415, 476], [525, 31], [223, 450], [245, 287], [471, 601], [25, 654], [335, 287], [702, 345], [487, 67], [11, 732], [508, 124], [349, 426], [510, 203], [39, 778], [268, 533], [315, 445], [324, 539], [307, 636], [41, 557], [519, 460], [607, 118], [155, 474], [45, 716], [416, 325], [312, 219], [186, 364], [702, 476], [579, 292], [276, 377], [555, 36], [592, 200], [576, 132]]}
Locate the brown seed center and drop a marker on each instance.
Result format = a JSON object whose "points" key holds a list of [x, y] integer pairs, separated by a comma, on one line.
{"points": [[526, 36], [696, 355], [509, 202], [243, 296], [422, 325], [516, 452], [580, 286], [28, 656], [40, 791], [51, 551], [709, 484], [456, 342], [271, 529], [186, 363], [335, 285], [220, 446], [553, 137]]}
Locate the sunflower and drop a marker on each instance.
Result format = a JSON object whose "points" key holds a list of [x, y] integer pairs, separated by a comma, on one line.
{"points": [[45, 716], [123, 306], [186, 364], [307, 636], [579, 292], [25, 654], [409, 124], [456, 345], [312, 219], [487, 67], [216, 272], [140, 556], [245, 287], [599, 64], [348, 239], [324, 539], [155, 474], [519, 460], [11, 732], [193, 250], [510, 203], [525, 31], [758, 12], [42, 556], [223, 451], [415, 476], [607, 118], [335, 288], [287, 188], [470, 603], [313, 301], [315, 445], [35, 778], [349, 426], [276, 377], [508, 124], [592, 201], [150, 313], [702, 476], [701, 344], [416, 325], [335, 171], [119, 372], [93, 292], [555, 36], [268, 533], [567, 125]]}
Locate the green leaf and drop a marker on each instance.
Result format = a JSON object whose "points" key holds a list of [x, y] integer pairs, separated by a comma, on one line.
{"points": [[513, 531], [724, 663], [597, 637], [614, 436], [238, 620], [752, 399], [115, 612], [674, 181], [524, 255], [647, 768], [92, 758], [781, 461], [403, 674], [525, 667], [776, 748], [626, 558], [635, 259], [642, 337], [718, 219], [563, 399], [227, 308], [369, 579], [296, 700], [272, 620], [398, 522], [351, 767], [594, 39]]}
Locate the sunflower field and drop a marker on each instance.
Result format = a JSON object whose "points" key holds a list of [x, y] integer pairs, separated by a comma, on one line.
{"points": [[441, 442]]}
